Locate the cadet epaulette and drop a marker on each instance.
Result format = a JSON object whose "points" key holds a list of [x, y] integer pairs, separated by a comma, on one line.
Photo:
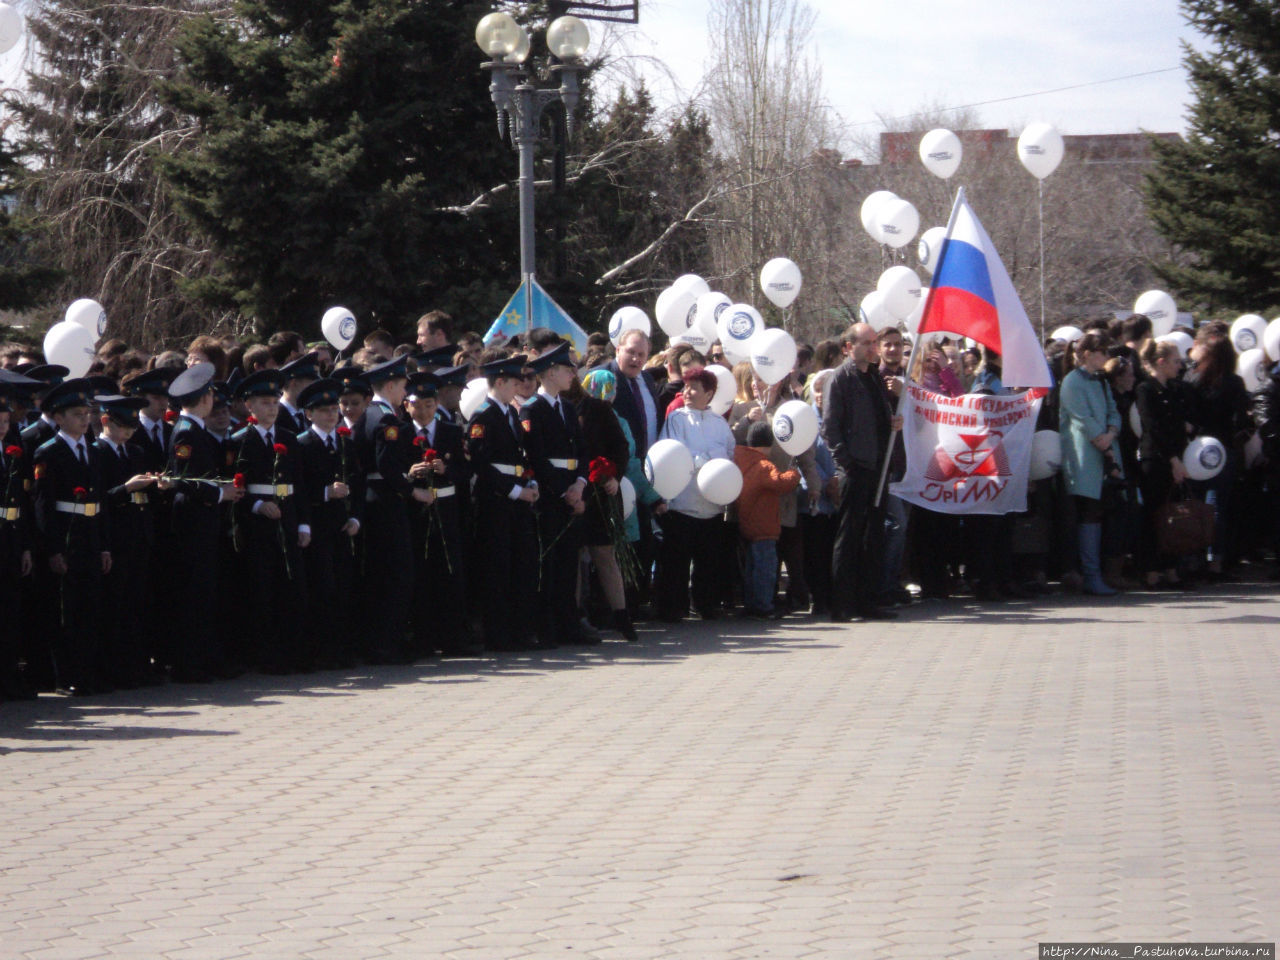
{"points": [[484, 406], [240, 434], [47, 445]]}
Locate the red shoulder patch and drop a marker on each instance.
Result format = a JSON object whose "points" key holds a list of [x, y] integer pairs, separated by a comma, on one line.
{"points": [[182, 451], [477, 431], [391, 434], [527, 424], [39, 472]]}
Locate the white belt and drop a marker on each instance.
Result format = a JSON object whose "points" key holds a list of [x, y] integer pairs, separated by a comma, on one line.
{"points": [[138, 497], [511, 470], [564, 464], [445, 491], [373, 476], [83, 509], [270, 490]]}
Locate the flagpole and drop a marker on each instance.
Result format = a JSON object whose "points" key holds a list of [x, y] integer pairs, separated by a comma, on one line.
{"points": [[916, 341]]}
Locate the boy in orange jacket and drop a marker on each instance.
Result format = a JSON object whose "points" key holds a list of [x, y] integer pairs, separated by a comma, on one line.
{"points": [[763, 487]]}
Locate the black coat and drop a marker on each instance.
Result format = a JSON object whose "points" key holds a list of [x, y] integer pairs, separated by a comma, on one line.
{"points": [[131, 523], [549, 436], [319, 469], [58, 476], [490, 441], [624, 404], [856, 410]]}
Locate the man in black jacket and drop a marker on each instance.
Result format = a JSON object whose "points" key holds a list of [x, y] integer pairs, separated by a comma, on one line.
{"points": [[857, 421]]}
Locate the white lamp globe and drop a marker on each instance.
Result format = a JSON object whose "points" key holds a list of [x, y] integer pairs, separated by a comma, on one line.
{"points": [[521, 53], [568, 38], [498, 34]]}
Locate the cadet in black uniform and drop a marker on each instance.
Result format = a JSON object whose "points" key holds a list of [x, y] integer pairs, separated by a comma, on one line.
{"points": [[296, 377], [332, 484], [15, 545], [505, 492], [439, 562], [72, 530], [195, 473], [128, 489], [386, 452], [553, 439], [272, 525]]}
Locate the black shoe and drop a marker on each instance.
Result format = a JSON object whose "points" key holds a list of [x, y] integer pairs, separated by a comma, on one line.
{"points": [[877, 613], [622, 623]]}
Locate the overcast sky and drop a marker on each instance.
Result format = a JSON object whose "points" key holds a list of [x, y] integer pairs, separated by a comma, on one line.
{"points": [[891, 58]]}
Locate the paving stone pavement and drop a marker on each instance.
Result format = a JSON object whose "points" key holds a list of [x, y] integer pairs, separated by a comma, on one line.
{"points": [[965, 782]]}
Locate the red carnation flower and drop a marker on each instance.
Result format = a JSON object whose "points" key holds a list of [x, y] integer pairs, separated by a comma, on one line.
{"points": [[601, 469], [80, 493], [280, 449], [13, 451], [251, 420], [170, 416], [419, 441], [430, 454], [238, 481], [344, 431]]}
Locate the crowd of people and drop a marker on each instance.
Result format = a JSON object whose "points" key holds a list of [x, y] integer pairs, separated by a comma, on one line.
{"points": [[187, 516]]}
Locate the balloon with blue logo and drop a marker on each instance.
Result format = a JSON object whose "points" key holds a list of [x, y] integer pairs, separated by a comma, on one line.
{"points": [[1040, 148], [868, 210], [773, 355], [1158, 307], [628, 318], [738, 324], [873, 311], [940, 152], [90, 315], [1247, 332], [691, 282], [726, 389], [339, 327], [706, 317], [795, 427], [628, 491], [899, 289], [1271, 340], [70, 345], [669, 467], [897, 222], [1204, 458], [1067, 334], [1251, 365], [720, 481], [780, 280], [672, 310], [929, 246]]}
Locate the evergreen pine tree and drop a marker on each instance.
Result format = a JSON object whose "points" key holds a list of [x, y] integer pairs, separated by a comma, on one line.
{"points": [[333, 134], [1216, 195]]}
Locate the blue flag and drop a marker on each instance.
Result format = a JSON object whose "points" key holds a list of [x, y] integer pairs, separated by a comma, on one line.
{"points": [[513, 319]]}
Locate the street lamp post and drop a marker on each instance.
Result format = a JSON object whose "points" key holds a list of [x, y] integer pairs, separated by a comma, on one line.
{"points": [[520, 102]]}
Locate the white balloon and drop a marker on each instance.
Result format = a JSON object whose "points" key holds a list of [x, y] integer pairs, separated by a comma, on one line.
{"points": [[773, 355], [1046, 454], [1271, 340], [1135, 421], [868, 211], [707, 315], [897, 222], [929, 246], [780, 280], [628, 318], [1252, 367], [693, 283], [738, 324], [720, 481], [669, 467], [1182, 340], [912, 323], [1204, 458], [872, 310], [70, 345], [940, 152], [795, 427], [11, 27], [1040, 149], [1159, 308], [473, 396], [726, 389], [339, 327], [628, 491], [1247, 332], [90, 315], [673, 310], [900, 288], [1068, 333]]}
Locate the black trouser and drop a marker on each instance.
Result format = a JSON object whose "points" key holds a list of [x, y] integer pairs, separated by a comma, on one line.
{"points": [[688, 539], [12, 587], [77, 649], [819, 546], [127, 600], [439, 576], [858, 559], [191, 619], [559, 539], [507, 570], [388, 578], [276, 588], [330, 567]]}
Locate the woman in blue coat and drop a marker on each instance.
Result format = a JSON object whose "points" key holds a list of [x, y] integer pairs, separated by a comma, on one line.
{"points": [[1089, 425]]}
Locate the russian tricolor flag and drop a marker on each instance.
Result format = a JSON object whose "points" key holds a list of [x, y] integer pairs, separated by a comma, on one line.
{"points": [[972, 296]]}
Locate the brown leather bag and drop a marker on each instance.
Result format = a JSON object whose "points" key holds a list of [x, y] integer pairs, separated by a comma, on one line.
{"points": [[1183, 524]]}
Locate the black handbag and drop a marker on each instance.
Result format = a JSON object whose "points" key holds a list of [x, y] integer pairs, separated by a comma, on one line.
{"points": [[1183, 525]]}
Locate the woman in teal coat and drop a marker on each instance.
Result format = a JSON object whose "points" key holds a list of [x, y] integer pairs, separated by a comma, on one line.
{"points": [[1089, 423]]}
